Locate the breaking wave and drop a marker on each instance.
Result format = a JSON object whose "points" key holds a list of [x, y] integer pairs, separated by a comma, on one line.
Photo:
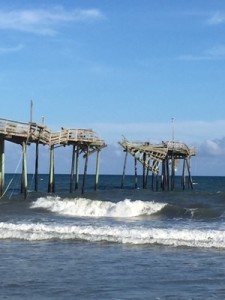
{"points": [[203, 238], [82, 207]]}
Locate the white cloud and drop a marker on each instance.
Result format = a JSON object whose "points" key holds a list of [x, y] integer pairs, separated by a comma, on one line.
{"points": [[17, 48], [190, 132], [190, 57], [214, 53], [213, 147], [217, 51], [43, 21], [216, 19]]}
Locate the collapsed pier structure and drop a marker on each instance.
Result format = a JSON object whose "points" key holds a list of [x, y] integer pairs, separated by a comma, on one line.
{"points": [[152, 156], [83, 141]]}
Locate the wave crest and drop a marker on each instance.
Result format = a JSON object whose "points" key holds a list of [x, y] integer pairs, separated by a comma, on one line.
{"points": [[197, 238], [95, 208]]}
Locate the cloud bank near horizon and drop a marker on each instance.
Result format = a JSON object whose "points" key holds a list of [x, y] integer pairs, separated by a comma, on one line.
{"points": [[190, 132]]}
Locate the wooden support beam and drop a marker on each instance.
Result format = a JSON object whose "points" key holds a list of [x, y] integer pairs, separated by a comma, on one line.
{"points": [[163, 175], [190, 183], [144, 170], [147, 173], [77, 168], [51, 182], [24, 170], [72, 168], [168, 174], [85, 170], [2, 165], [36, 167], [183, 174], [172, 173], [153, 180], [135, 173], [97, 170], [157, 182], [124, 168]]}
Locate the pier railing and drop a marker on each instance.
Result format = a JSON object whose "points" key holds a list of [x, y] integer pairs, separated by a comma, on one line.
{"points": [[83, 141], [68, 136], [34, 132], [9, 127]]}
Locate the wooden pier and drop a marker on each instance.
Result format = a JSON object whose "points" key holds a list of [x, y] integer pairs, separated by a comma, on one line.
{"points": [[83, 141], [152, 156]]}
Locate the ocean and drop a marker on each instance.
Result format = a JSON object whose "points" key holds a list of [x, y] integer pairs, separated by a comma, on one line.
{"points": [[112, 243]]}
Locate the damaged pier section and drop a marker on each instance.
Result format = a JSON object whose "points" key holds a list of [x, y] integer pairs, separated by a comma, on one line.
{"points": [[164, 156], [83, 141]]}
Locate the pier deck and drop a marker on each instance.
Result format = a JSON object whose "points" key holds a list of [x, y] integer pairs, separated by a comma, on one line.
{"points": [[83, 141], [16, 132], [151, 156]]}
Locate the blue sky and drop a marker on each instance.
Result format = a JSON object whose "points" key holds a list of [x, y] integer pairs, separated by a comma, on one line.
{"points": [[120, 67]]}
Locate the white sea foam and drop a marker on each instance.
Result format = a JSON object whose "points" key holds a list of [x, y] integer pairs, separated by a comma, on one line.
{"points": [[203, 238], [95, 208]]}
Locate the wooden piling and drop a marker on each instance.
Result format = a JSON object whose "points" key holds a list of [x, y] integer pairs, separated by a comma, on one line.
{"points": [[183, 174], [24, 170], [168, 174], [135, 174], [153, 180], [72, 168], [2, 165], [147, 173], [157, 182], [190, 183], [163, 175], [77, 168], [144, 170], [97, 170], [124, 168], [85, 169], [51, 182], [36, 167], [172, 173]]}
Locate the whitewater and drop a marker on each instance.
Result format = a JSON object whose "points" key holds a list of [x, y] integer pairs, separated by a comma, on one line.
{"points": [[129, 222], [114, 243], [95, 208], [115, 234]]}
